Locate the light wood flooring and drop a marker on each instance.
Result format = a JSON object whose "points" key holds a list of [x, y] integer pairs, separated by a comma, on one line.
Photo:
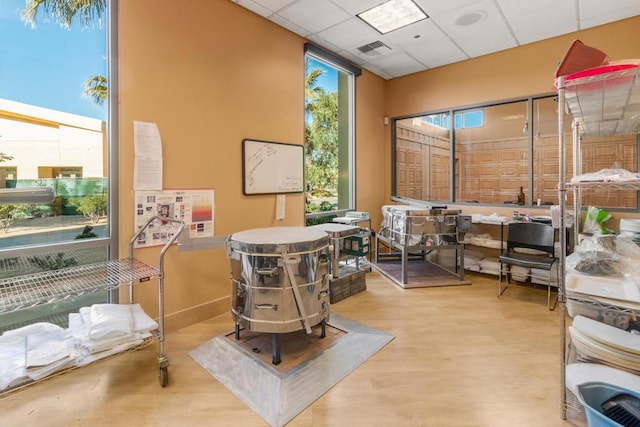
{"points": [[460, 357]]}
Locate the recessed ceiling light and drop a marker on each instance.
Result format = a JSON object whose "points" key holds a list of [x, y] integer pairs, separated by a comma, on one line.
{"points": [[470, 18], [392, 15]]}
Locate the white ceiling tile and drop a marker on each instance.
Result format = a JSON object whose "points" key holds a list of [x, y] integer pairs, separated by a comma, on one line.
{"points": [[598, 12], [350, 33], [323, 43], [489, 35], [283, 22], [432, 48], [377, 71], [255, 7], [273, 5], [314, 15], [351, 57], [541, 19], [441, 7], [435, 54], [425, 29], [333, 25], [398, 60], [355, 7]]}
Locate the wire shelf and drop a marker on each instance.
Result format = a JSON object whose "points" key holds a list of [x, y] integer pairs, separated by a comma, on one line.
{"points": [[618, 306], [607, 103], [22, 292], [605, 185]]}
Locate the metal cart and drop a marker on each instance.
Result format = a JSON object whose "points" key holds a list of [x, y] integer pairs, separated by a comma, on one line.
{"points": [[21, 292]]}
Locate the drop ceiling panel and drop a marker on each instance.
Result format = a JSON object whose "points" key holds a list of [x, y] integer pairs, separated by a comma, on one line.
{"points": [[350, 34], [319, 41], [432, 48], [540, 19], [285, 23], [598, 12], [489, 35], [436, 53], [355, 7], [441, 7], [333, 25], [314, 15], [400, 63], [256, 7], [273, 5]]}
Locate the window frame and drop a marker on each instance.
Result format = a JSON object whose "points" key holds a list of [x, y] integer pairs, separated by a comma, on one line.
{"points": [[110, 242], [353, 72], [452, 112]]}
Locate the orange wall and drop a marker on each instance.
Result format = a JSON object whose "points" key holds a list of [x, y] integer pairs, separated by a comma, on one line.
{"points": [[210, 75], [214, 73]]}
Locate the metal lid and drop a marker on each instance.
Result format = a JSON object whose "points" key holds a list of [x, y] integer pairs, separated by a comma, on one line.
{"points": [[272, 240], [337, 230]]}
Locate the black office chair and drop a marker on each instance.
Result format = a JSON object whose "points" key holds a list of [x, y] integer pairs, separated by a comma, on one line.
{"points": [[529, 245]]}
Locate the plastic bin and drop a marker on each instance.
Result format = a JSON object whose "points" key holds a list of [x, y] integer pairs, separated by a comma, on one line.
{"points": [[592, 395]]}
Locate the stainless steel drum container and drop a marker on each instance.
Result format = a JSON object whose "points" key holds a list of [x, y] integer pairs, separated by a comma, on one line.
{"points": [[279, 278], [387, 218], [337, 234], [411, 226]]}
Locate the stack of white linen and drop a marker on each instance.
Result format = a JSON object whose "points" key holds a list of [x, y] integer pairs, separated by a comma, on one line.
{"points": [[472, 260], [521, 274], [542, 276], [32, 352], [105, 329], [490, 265]]}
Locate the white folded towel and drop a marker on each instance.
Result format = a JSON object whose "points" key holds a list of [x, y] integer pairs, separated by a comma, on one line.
{"points": [[12, 360], [33, 329], [141, 320], [110, 320], [45, 348], [81, 324], [96, 346]]}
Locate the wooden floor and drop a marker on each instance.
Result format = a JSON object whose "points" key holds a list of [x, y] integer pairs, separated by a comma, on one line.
{"points": [[460, 357]]}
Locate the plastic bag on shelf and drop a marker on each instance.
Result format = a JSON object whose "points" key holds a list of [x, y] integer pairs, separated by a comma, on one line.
{"points": [[596, 256], [615, 174], [607, 255], [554, 211], [594, 221]]}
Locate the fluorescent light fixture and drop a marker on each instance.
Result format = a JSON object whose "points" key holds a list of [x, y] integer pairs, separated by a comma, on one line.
{"points": [[392, 15], [27, 196]]}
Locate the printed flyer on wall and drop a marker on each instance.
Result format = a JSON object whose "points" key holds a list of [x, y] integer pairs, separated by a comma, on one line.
{"points": [[194, 207]]}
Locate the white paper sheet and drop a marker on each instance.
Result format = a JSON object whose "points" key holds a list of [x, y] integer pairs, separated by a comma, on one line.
{"points": [[147, 168]]}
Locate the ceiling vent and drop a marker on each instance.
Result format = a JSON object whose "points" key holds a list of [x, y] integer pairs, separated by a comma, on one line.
{"points": [[374, 49]]}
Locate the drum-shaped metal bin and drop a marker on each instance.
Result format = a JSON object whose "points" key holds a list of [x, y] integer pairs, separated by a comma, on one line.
{"points": [[279, 278], [414, 226]]}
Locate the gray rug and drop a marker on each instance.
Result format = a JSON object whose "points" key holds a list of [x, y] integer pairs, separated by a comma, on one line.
{"points": [[420, 274], [278, 395]]}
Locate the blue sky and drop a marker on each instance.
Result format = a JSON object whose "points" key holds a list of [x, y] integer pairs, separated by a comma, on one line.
{"points": [[48, 65], [329, 79]]}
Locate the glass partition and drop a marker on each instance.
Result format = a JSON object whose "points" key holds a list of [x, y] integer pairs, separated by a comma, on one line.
{"points": [[496, 151]]}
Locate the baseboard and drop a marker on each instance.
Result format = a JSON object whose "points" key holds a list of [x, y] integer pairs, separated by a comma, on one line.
{"points": [[181, 319]]}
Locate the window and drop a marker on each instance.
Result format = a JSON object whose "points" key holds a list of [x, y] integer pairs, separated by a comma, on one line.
{"points": [[493, 160], [497, 148], [56, 132], [423, 157], [329, 134]]}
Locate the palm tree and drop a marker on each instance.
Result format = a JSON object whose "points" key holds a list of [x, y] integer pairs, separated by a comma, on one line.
{"points": [[311, 89], [89, 13], [95, 88]]}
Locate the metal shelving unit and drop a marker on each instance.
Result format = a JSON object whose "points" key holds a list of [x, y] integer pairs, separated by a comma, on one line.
{"points": [[601, 105], [21, 292]]}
